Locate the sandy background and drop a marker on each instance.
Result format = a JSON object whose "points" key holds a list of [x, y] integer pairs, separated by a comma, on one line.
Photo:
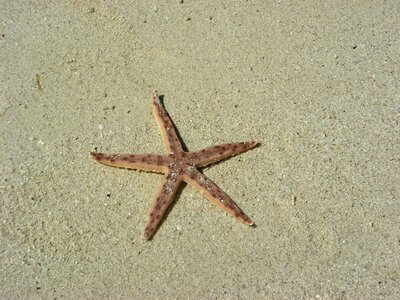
{"points": [[316, 84]]}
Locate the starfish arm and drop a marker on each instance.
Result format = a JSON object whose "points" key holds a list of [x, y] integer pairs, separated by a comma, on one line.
{"points": [[213, 154], [160, 204], [167, 129], [144, 162], [213, 193]]}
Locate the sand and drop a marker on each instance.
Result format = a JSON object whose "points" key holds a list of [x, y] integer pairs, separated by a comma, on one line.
{"points": [[316, 84]]}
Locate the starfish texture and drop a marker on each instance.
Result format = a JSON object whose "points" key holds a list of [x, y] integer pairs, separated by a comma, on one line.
{"points": [[178, 165]]}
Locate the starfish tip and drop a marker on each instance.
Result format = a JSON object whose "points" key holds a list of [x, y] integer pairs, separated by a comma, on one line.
{"points": [[154, 96], [253, 144], [148, 235], [94, 155]]}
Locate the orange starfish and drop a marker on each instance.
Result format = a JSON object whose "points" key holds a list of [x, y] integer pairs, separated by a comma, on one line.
{"points": [[178, 165]]}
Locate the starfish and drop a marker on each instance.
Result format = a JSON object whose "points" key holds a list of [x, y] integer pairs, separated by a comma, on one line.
{"points": [[178, 165]]}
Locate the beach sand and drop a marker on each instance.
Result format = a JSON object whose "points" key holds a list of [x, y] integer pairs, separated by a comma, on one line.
{"points": [[316, 84]]}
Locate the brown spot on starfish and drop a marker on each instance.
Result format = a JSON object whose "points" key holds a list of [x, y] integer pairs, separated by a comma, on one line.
{"points": [[178, 165]]}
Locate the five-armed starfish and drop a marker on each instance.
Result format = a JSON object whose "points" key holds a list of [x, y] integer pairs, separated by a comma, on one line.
{"points": [[178, 165]]}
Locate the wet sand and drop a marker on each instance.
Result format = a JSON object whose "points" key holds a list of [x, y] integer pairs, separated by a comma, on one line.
{"points": [[317, 85]]}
